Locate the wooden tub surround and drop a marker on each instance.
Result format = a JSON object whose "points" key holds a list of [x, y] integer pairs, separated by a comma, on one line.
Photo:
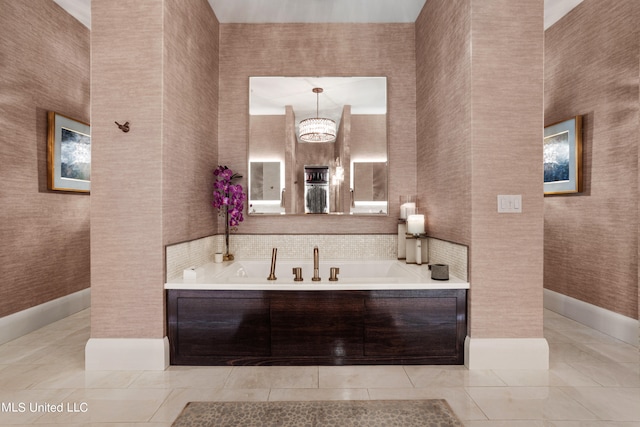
{"points": [[250, 325]]}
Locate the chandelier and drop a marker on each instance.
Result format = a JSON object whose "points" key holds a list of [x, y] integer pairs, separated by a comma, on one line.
{"points": [[317, 129]]}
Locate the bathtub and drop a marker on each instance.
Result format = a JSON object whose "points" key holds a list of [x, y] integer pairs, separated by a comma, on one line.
{"points": [[354, 275]]}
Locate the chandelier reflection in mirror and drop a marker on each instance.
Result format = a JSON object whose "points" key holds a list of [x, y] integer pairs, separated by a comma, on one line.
{"points": [[317, 129]]}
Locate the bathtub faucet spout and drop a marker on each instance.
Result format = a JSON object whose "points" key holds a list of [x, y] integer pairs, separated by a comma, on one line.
{"points": [[316, 266], [272, 273]]}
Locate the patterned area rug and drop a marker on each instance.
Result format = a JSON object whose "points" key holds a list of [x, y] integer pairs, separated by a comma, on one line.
{"points": [[352, 413]]}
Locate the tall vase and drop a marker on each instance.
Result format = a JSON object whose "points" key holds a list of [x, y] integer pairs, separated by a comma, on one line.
{"points": [[227, 256]]}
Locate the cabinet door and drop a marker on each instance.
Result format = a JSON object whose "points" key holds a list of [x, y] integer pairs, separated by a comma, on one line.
{"points": [[314, 325], [410, 327], [222, 326]]}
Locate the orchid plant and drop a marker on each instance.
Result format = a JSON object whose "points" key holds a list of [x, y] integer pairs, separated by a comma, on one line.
{"points": [[228, 196], [229, 199]]}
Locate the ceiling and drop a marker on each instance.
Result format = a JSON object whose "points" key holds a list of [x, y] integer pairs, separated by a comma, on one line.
{"points": [[314, 11]]}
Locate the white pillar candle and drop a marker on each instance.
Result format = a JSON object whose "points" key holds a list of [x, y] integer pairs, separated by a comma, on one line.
{"points": [[415, 224]]}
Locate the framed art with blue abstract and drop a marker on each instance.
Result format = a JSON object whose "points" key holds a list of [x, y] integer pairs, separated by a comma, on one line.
{"points": [[562, 155], [68, 154]]}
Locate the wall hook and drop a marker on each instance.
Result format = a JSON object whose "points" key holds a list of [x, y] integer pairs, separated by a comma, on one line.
{"points": [[124, 127]]}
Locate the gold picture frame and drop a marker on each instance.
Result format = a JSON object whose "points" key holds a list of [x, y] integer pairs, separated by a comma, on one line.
{"points": [[562, 157], [68, 154]]}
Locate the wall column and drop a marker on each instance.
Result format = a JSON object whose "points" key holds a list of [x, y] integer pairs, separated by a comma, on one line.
{"points": [[506, 250], [479, 107], [127, 256]]}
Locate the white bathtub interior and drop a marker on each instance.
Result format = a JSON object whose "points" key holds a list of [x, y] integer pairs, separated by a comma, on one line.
{"points": [[361, 270]]}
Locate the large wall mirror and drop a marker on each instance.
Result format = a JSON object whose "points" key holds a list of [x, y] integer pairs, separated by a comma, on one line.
{"points": [[335, 162]]}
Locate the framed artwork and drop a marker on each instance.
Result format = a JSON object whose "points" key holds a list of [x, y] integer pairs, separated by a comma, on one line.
{"points": [[563, 157], [68, 154]]}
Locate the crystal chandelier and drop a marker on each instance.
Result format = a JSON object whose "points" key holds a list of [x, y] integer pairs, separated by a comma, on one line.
{"points": [[317, 129]]}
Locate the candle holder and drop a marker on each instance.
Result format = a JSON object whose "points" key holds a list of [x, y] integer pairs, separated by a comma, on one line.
{"points": [[402, 245], [416, 245], [407, 206], [416, 249]]}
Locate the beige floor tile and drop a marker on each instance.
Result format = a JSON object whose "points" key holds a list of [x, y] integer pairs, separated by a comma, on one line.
{"points": [[463, 406], [510, 423], [62, 378], [567, 352], [64, 356], [109, 405], [273, 377], [177, 399], [17, 354], [591, 424], [20, 406], [242, 395], [109, 425], [561, 374], [610, 375], [525, 378], [110, 379], [363, 377], [177, 377], [314, 394], [528, 403], [459, 376], [583, 334], [73, 425], [619, 352], [552, 335], [21, 377], [631, 367], [557, 321], [609, 403]]}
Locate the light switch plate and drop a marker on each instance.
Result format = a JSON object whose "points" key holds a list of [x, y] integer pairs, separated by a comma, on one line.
{"points": [[509, 203]]}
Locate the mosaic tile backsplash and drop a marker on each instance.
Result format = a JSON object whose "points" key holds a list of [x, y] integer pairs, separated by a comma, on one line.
{"points": [[348, 247]]}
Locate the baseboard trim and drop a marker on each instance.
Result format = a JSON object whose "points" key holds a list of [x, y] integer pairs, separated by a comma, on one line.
{"points": [[506, 353], [127, 354], [606, 321], [23, 322]]}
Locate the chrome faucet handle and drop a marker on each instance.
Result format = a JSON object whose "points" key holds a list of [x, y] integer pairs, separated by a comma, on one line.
{"points": [[297, 272], [334, 271]]}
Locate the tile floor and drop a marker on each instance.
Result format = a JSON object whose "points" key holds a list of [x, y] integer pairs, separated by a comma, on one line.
{"points": [[594, 381]]}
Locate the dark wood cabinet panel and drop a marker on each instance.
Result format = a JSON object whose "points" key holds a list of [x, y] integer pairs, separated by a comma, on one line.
{"points": [[303, 325], [410, 327], [316, 327], [210, 326]]}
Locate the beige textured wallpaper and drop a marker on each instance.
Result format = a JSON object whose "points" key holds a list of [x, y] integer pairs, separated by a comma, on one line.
{"points": [[443, 56], [591, 238], [479, 132], [507, 101], [320, 50], [152, 184], [44, 66], [190, 120], [126, 205]]}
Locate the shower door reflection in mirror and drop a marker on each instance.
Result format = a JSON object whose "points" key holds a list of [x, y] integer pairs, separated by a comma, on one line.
{"points": [[370, 187], [358, 106], [265, 188]]}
